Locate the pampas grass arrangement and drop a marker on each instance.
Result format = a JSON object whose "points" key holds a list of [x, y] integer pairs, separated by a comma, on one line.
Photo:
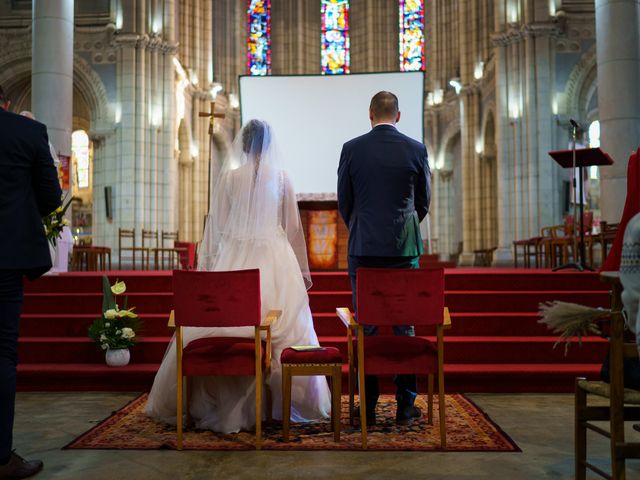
{"points": [[571, 320]]}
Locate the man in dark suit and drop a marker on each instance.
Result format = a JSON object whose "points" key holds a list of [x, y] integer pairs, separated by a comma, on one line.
{"points": [[384, 189], [29, 190]]}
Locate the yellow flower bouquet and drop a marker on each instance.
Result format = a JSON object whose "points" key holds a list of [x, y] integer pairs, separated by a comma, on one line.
{"points": [[55, 222]]}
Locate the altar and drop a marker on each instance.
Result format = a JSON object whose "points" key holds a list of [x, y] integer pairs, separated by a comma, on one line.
{"points": [[327, 236], [324, 230]]}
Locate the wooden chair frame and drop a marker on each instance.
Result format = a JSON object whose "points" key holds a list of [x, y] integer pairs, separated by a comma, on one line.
{"points": [[616, 413], [348, 318], [605, 238], [173, 252], [144, 251], [182, 404], [527, 252], [90, 258], [333, 370]]}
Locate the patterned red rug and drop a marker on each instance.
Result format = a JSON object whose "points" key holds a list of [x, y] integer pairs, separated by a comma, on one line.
{"points": [[469, 429]]}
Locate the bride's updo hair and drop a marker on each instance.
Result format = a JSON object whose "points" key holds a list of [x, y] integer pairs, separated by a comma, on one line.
{"points": [[253, 137]]}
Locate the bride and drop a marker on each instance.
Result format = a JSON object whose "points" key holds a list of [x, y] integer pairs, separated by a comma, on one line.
{"points": [[253, 223]]}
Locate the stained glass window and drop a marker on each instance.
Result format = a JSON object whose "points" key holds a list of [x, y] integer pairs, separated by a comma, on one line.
{"points": [[335, 36], [411, 35], [259, 37]]}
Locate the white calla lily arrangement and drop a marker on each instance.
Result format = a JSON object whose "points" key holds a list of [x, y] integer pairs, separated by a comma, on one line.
{"points": [[117, 327]]}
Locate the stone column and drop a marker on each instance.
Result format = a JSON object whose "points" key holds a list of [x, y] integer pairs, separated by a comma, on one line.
{"points": [[618, 55], [52, 69], [229, 43], [503, 255], [374, 30], [295, 37]]}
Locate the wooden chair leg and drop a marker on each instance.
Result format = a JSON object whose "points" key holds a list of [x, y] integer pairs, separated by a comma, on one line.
{"points": [[187, 401], [361, 390], [286, 401], [580, 433], [258, 410], [352, 388], [441, 412], [336, 395], [430, 400], [179, 397], [269, 405]]}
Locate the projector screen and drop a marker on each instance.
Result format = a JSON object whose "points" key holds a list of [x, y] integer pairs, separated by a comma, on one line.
{"points": [[313, 116]]}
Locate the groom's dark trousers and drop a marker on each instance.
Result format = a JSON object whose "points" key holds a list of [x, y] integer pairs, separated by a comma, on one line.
{"points": [[406, 385], [383, 194], [10, 304], [29, 190]]}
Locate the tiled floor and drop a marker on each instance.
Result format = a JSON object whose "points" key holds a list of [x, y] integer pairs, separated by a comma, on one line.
{"points": [[542, 425]]}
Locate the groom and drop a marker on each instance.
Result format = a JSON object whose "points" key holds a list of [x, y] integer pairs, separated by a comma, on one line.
{"points": [[384, 189]]}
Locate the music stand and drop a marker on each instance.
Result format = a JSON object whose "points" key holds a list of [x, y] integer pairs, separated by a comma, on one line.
{"points": [[581, 158]]}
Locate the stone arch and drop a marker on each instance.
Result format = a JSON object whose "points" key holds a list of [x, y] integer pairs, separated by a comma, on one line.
{"points": [[15, 76], [581, 88]]}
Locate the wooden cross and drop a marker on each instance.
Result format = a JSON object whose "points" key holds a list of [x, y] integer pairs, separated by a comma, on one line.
{"points": [[212, 115]]}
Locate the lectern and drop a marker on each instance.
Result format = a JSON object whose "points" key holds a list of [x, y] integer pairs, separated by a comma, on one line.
{"points": [[581, 158]]}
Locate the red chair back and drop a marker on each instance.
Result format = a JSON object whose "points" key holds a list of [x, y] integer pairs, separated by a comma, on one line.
{"points": [[400, 296], [216, 299], [587, 223], [187, 254]]}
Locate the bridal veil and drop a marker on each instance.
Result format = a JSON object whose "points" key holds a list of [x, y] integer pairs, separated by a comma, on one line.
{"points": [[251, 199]]}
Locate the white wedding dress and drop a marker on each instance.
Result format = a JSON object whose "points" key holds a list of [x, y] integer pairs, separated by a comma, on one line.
{"points": [[253, 223]]}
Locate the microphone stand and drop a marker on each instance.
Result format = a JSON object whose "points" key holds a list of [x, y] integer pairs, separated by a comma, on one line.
{"points": [[579, 265]]}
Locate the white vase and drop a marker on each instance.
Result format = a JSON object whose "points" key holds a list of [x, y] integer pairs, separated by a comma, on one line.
{"points": [[117, 357]]}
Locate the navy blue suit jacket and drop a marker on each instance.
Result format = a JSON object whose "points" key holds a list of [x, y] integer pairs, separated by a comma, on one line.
{"points": [[29, 190], [384, 190]]}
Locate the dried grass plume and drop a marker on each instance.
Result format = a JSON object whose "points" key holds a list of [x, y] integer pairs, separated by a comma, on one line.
{"points": [[571, 320]]}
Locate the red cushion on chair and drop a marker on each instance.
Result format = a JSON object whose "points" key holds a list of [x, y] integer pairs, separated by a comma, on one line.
{"points": [[391, 355], [327, 355], [220, 356]]}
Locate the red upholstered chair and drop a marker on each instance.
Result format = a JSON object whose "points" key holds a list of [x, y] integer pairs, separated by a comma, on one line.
{"points": [[221, 299], [387, 297]]}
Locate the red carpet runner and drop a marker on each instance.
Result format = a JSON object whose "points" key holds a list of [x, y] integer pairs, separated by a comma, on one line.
{"points": [[495, 345]]}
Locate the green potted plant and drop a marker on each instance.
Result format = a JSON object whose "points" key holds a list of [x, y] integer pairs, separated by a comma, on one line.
{"points": [[115, 330]]}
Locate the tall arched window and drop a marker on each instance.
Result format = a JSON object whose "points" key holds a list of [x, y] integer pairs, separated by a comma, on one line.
{"points": [[411, 17], [335, 36], [80, 151], [259, 37]]}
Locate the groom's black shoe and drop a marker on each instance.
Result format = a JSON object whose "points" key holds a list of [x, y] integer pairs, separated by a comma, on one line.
{"points": [[371, 417], [406, 415], [18, 467]]}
